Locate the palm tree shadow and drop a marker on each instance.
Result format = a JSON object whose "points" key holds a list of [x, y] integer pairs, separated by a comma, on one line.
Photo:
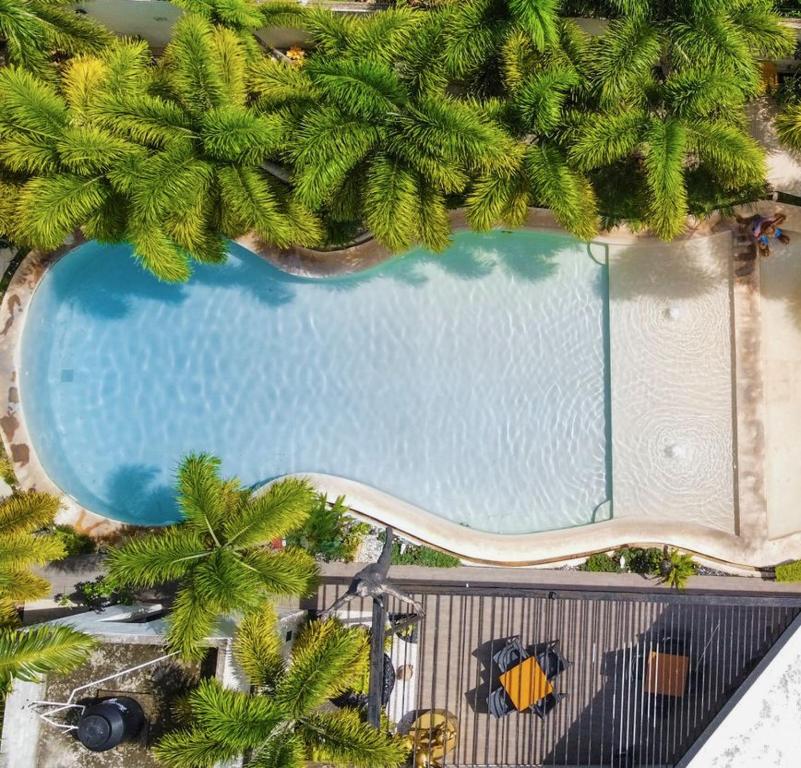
{"points": [[136, 493], [680, 270]]}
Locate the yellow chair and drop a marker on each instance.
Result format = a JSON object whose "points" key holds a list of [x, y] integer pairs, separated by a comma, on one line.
{"points": [[432, 736]]}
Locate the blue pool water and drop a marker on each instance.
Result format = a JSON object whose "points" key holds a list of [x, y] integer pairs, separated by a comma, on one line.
{"points": [[470, 383]]}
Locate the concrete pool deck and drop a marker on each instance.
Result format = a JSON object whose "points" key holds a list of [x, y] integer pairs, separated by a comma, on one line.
{"points": [[686, 410]]}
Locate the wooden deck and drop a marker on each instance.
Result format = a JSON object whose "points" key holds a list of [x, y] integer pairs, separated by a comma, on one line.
{"points": [[606, 718]]}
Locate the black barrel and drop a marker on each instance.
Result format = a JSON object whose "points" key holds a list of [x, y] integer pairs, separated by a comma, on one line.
{"points": [[109, 722]]}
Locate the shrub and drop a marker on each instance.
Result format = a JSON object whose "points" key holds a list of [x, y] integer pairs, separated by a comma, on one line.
{"points": [[75, 543], [97, 594], [789, 571], [329, 533], [601, 562], [646, 562], [414, 554]]}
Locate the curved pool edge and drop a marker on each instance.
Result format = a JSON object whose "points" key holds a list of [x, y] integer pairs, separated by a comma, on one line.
{"points": [[548, 547]]}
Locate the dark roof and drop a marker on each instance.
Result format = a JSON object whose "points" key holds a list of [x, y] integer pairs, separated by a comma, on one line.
{"points": [[606, 718]]}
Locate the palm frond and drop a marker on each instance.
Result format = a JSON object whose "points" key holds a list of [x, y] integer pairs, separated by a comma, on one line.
{"points": [[157, 252], [342, 738], [19, 550], [703, 92], [228, 582], [625, 56], [498, 199], [562, 189], [193, 747], [283, 507], [327, 659], [236, 14], [539, 19], [52, 207], [733, 157], [434, 226], [233, 718], [192, 621], [29, 105], [157, 557], [606, 138], [232, 60], [391, 203], [192, 65], [664, 152], [28, 654], [279, 752], [360, 88], [257, 646], [788, 126], [20, 586], [202, 493], [249, 203], [540, 98], [27, 512], [290, 572]]}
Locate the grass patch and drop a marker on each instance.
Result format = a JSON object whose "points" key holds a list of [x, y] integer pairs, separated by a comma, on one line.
{"points": [[414, 554], [789, 571]]}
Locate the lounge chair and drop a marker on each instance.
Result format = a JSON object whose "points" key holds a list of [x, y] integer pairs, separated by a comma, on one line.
{"points": [[498, 703], [510, 655]]}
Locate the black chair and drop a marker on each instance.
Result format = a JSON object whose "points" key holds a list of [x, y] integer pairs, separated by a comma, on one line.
{"points": [[510, 655], [545, 705], [552, 661], [498, 703]]}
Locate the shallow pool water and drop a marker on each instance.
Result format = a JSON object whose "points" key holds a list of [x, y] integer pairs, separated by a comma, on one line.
{"points": [[471, 383]]}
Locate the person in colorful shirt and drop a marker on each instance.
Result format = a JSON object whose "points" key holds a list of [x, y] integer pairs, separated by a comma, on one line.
{"points": [[762, 228]]}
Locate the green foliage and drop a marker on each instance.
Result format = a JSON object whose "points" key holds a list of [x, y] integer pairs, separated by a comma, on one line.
{"points": [[329, 532], [74, 543], [676, 569], [25, 541], [646, 562], [220, 553], [601, 562], [414, 554], [99, 593], [789, 571], [281, 722], [32, 32], [28, 654]]}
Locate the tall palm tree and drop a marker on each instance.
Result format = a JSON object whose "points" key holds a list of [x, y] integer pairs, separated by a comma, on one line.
{"points": [[25, 542], [170, 158], [370, 144], [26, 654], [220, 553], [282, 722], [663, 122], [541, 88], [32, 31]]}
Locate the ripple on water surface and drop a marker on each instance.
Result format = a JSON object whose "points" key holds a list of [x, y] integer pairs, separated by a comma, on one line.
{"points": [[471, 383]]}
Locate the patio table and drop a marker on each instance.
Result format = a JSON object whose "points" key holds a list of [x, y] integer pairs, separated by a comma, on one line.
{"points": [[666, 674], [526, 684]]}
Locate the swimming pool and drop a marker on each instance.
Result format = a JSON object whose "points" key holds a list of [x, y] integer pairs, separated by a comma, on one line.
{"points": [[472, 384]]}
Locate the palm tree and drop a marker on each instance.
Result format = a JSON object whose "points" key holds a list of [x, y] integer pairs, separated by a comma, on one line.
{"points": [[27, 654], [32, 31], [664, 107], [370, 143], [788, 126], [676, 568], [170, 159], [220, 553], [281, 723], [541, 89], [25, 542]]}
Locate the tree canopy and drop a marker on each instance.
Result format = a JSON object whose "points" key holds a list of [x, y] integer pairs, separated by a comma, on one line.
{"points": [[282, 721], [390, 120], [220, 554]]}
